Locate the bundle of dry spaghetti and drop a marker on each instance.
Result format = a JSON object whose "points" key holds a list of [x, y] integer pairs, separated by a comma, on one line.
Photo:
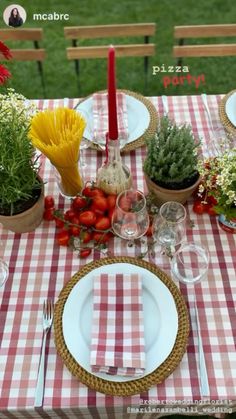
{"points": [[58, 134]]}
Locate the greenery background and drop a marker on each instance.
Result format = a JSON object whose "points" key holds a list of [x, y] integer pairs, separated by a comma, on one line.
{"points": [[60, 73]]}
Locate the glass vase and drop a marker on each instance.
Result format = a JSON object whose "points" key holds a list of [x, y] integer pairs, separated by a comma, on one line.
{"points": [[69, 180], [113, 176]]}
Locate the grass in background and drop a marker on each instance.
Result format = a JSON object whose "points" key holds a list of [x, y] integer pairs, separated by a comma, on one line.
{"points": [[60, 75]]}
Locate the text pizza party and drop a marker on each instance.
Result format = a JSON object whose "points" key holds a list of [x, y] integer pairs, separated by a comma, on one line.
{"points": [[177, 80]]}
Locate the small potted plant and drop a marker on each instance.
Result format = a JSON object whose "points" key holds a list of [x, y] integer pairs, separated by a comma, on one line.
{"points": [[217, 190], [170, 167], [21, 189]]}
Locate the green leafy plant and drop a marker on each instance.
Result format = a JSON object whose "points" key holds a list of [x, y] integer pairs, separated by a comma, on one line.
{"points": [[19, 183], [172, 158]]}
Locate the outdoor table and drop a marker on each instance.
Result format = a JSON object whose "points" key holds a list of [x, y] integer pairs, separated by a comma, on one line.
{"points": [[39, 268]]}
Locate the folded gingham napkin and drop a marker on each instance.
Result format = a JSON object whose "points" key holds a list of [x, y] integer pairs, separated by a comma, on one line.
{"points": [[100, 116], [117, 345]]}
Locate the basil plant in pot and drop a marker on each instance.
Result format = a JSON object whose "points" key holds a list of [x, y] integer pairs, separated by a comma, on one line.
{"points": [[21, 188], [170, 167]]}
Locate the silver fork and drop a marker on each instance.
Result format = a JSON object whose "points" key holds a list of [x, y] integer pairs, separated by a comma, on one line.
{"points": [[47, 323]]}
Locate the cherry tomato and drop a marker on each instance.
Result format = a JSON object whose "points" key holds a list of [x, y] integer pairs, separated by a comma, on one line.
{"points": [[199, 207], [212, 200], [87, 218], [63, 238], [69, 214], [92, 191], [211, 210], [96, 211], [74, 230], [48, 214], [49, 202], [59, 222], [75, 220], [101, 237], [100, 203], [111, 201], [85, 252], [125, 203], [79, 203], [86, 237], [103, 223]]}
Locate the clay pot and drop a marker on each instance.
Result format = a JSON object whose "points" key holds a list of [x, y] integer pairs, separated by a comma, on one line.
{"points": [[28, 220], [162, 195]]}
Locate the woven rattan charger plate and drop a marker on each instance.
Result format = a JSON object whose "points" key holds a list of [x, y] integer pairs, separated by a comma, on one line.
{"points": [[223, 116], [148, 133], [138, 385]]}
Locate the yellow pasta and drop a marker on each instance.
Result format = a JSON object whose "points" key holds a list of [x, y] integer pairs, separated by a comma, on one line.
{"points": [[58, 134]]}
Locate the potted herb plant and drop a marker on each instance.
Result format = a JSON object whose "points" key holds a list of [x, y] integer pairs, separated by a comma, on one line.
{"points": [[21, 189], [170, 167]]}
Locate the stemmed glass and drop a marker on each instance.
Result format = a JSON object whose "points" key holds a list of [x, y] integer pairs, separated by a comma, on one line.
{"points": [[85, 143], [130, 219], [169, 226], [4, 272]]}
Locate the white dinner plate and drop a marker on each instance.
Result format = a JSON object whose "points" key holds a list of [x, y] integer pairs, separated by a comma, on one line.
{"points": [[138, 119], [230, 108], [160, 318]]}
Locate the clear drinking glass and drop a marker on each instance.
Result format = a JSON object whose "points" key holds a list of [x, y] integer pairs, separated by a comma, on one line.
{"points": [[130, 219], [190, 263], [169, 226]]}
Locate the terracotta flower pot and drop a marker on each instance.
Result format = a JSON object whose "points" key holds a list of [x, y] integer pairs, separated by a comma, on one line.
{"points": [[162, 195], [28, 220]]}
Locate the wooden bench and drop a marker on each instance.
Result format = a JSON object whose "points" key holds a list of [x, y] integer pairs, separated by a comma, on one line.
{"points": [[181, 33], [110, 31], [26, 54]]}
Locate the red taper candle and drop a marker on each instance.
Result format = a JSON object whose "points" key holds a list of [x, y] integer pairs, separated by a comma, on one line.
{"points": [[112, 111]]}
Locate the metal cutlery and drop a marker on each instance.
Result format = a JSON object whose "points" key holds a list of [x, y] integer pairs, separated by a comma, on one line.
{"points": [[47, 323], [204, 99], [204, 384], [165, 104]]}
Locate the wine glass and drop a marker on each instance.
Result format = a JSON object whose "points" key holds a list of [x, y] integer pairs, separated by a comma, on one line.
{"points": [[190, 263], [169, 226], [130, 219], [4, 271], [85, 143]]}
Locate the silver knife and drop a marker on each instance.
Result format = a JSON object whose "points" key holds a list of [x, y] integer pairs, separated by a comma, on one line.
{"points": [[204, 384]]}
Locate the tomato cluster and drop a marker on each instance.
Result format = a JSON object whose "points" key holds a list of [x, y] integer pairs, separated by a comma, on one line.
{"points": [[88, 219], [205, 205]]}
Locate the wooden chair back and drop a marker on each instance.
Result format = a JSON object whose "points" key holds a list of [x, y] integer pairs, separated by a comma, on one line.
{"points": [[181, 33], [27, 54], [79, 33]]}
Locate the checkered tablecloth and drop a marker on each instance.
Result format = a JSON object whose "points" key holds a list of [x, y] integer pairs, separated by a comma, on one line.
{"points": [[39, 268]]}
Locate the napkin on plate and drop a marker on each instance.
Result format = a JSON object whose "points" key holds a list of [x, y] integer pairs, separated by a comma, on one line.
{"points": [[117, 345], [100, 116]]}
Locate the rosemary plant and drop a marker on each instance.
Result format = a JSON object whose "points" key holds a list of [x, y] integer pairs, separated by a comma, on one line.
{"points": [[172, 158], [18, 165]]}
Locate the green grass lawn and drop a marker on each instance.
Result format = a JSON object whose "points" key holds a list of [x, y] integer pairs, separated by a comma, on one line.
{"points": [[60, 76]]}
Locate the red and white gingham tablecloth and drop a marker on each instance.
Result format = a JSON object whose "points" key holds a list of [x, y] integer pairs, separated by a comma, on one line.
{"points": [[39, 268]]}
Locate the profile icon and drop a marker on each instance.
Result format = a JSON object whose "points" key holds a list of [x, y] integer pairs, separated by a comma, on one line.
{"points": [[14, 15]]}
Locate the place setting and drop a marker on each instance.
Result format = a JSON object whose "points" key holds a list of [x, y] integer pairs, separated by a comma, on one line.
{"points": [[137, 116], [227, 112]]}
